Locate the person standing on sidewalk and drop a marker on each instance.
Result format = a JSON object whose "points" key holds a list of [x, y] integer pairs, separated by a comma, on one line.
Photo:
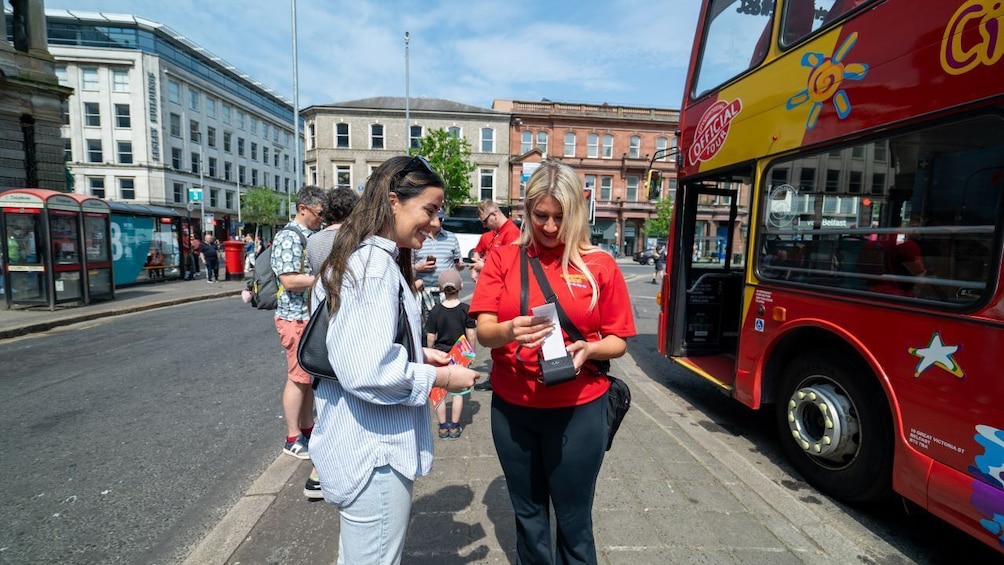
{"points": [[446, 322], [292, 268], [551, 440], [444, 249], [373, 436], [211, 256], [337, 205], [501, 231]]}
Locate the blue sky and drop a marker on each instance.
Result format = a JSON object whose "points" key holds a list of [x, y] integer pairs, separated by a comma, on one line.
{"points": [[632, 52]]}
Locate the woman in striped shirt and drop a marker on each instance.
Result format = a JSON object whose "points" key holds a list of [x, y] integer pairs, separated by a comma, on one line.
{"points": [[372, 437]]}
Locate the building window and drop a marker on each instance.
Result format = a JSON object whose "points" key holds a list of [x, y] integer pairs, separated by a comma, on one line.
{"points": [[226, 114], [242, 174], [120, 81], [210, 107], [125, 152], [343, 176], [240, 146], [240, 120], [176, 158], [285, 162], [254, 125], [542, 141], [832, 180], [525, 142], [122, 118], [660, 145], [226, 141], [285, 183], [228, 199], [228, 170], [632, 188], [855, 181], [212, 167], [487, 140], [807, 179], [254, 177], [179, 193], [175, 125], [97, 187], [415, 137], [608, 146], [311, 136], [593, 145], [194, 131], [376, 137], [342, 136], [312, 175], [211, 136], [264, 130], [275, 158], [127, 189], [267, 178], [90, 78], [634, 148], [174, 92], [67, 149], [64, 108], [92, 114], [196, 165], [878, 181], [606, 187], [214, 198], [254, 151], [570, 144], [264, 155], [487, 185], [94, 153], [454, 132], [275, 135], [62, 77], [590, 183], [193, 99]]}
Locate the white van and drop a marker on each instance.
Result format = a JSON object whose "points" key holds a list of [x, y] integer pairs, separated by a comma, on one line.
{"points": [[468, 232]]}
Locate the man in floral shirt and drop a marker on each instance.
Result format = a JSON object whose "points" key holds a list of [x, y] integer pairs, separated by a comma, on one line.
{"points": [[289, 261]]}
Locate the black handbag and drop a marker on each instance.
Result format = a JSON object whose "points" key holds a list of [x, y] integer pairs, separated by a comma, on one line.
{"points": [[312, 352], [619, 393]]}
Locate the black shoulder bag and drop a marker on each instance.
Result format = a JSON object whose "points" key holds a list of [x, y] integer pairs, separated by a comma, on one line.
{"points": [[619, 394], [312, 352]]}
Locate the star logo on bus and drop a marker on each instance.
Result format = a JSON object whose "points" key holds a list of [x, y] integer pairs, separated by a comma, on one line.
{"points": [[825, 79], [937, 354]]}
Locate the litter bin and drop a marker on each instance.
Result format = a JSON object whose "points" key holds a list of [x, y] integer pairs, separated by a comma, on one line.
{"points": [[233, 250]]}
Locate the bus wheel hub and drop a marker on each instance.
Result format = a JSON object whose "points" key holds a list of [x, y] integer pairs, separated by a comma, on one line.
{"points": [[823, 423]]}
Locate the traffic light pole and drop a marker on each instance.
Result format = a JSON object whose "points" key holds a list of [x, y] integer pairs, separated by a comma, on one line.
{"points": [[654, 192]]}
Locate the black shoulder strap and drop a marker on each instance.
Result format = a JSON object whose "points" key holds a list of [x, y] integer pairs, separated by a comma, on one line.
{"points": [[573, 332]]}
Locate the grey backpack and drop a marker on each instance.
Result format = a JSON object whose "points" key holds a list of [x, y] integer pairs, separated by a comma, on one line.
{"points": [[264, 285]]}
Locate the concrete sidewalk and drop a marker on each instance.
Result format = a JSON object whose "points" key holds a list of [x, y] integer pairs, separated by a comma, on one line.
{"points": [[669, 492]]}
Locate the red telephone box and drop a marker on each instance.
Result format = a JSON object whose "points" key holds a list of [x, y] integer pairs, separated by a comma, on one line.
{"points": [[42, 248], [96, 234]]}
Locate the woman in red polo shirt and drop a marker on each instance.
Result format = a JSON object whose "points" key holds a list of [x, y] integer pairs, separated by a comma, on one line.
{"points": [[551, 439]]}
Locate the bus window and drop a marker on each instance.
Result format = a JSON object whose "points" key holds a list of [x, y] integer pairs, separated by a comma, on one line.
{"points": [[912, 217], [736, 38], [803, 17]]}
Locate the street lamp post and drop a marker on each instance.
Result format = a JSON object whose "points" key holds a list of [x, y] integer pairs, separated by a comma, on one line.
{"points": [[407, 97], [298, 164]]}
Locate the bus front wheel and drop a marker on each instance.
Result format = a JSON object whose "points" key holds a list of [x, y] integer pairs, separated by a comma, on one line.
{"points": [[835, 426]]}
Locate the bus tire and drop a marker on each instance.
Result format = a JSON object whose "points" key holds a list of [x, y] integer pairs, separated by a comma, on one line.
{"points": [[835, 426]]}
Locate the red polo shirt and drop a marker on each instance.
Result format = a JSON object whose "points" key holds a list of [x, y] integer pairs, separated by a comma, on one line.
{"points": [[498, 292], [507, 234]]}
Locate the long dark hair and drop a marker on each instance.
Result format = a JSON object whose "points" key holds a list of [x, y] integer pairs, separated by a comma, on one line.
{"points": [[404, 176]]}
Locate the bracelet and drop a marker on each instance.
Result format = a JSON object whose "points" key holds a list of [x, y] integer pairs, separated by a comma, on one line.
{"points": [[449, 373]]}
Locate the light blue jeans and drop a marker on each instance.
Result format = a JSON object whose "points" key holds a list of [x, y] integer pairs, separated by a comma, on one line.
{"points": [[374, 525]]}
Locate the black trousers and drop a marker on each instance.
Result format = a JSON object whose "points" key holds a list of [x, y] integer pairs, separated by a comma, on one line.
{"points": [[551, 456]]}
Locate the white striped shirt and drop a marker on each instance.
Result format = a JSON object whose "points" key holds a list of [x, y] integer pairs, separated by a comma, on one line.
{"points": [[376, 413]]}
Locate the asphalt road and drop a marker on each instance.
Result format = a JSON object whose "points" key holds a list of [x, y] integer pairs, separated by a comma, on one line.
{"points": [[126, 439]]}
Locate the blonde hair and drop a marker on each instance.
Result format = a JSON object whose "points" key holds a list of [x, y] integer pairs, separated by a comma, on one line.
{"points": [[558, 180]]}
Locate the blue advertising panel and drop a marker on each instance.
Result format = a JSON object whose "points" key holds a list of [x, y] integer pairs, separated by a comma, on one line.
{"points": [[131, 237]]}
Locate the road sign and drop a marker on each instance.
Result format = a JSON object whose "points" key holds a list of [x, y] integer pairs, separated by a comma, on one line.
{"points": [[195, 195], [190, 206], [209, 222]]}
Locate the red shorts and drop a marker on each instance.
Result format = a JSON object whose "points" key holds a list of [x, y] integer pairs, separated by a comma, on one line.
{"points": [[289, 337]]}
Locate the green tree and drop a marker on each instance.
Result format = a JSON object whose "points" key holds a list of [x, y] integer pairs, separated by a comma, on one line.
{"points": [[450, 157], [260, 205], [659, 225]]}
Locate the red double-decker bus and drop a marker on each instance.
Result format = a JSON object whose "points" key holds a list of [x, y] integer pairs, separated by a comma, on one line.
{"points": [[835, 249]]}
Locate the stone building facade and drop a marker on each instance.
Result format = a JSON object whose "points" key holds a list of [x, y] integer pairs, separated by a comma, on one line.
{"points": [[31, 151], [345, 141]]}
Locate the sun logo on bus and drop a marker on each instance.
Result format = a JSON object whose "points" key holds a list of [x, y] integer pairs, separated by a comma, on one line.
{"points": [[825, 79]]}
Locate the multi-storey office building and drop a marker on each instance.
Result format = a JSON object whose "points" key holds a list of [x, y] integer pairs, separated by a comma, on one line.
{"points": [[30, 99], [611, 147], [155, 117], [345, 141]]}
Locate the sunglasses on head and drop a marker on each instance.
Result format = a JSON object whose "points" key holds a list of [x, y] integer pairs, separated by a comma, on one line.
{"points": [[417, 163]]}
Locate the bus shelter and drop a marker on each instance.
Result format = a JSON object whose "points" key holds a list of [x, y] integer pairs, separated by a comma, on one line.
{"points": [[96, 233], [42, 262]]}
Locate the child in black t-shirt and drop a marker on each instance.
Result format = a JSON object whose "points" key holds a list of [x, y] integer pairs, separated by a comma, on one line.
{"points": [[446, 322]]}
